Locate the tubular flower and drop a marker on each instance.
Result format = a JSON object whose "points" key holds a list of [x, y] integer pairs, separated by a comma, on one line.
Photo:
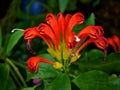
{"points": [[114, 41], [64, 44], [34, 61]]}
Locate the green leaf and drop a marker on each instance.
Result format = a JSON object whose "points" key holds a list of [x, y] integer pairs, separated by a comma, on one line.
{"points": [[4, 74], [52, 5], [62, 5], [10, 84], [46, 71], [93, 60], [96, 80], [62, 82], [90, 20], [13, 40], [0, 38], [29, 88]]}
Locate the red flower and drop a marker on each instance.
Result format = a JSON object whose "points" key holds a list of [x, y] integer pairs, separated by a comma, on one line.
{"points": [[52, 31], [34, 61], [114, 41], [57, 27], [63, 43]]}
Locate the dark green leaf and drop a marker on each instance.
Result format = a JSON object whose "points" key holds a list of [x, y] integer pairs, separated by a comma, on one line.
{"points": [[13, 40], [4, 74], [72, 6], [62, 5], [96, 80], [93, 60], [52, 4], [29, 88], [10, 84], [0, 38], [62, 82]]}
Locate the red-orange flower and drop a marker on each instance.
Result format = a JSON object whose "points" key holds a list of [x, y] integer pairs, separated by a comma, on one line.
{"points": [[34, 61], [52, 31], [114, 41], [62, 42]]}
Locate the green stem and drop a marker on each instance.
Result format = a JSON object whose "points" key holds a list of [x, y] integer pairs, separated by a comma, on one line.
{"points": [[15, 77], [35, 86], [17, 71], [18, 64]]}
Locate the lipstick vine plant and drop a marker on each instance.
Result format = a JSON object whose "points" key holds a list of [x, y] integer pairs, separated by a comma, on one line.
{"points": [[64, 46]]}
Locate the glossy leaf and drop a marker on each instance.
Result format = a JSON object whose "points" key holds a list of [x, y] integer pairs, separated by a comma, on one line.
{"points": [[62, 5], [94, 60], [13, 40], [62, 82], [4, 75], [96, 80]]}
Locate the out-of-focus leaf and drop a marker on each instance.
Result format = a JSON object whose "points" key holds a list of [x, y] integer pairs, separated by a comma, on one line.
{"points": [[0, 40], [89, 21], [13, 40], [10, 84], [4, 74], [94, 60], [52, 4], [0, 37], [72, 6], [85, 1], [96, 2], [45, 71], [62, 5], [30, 88], [96, 80], [62, 82]]}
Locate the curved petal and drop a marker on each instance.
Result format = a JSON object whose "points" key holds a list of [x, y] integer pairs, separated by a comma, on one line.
{"points": [[51, 20], [30, 33], [101, 43], [77, 18], [34, 61], [67, 18], [117, 41], [46, 31], [112, 43], [92, 31], [61, 23]]}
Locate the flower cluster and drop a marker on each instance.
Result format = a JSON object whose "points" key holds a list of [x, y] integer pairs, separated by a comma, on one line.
{"points": [[63, 44]]}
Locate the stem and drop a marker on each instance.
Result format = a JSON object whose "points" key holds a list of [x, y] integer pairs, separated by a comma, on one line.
{"points": [[35, 86], [17, 71], [15, 77], [18, 64]]}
